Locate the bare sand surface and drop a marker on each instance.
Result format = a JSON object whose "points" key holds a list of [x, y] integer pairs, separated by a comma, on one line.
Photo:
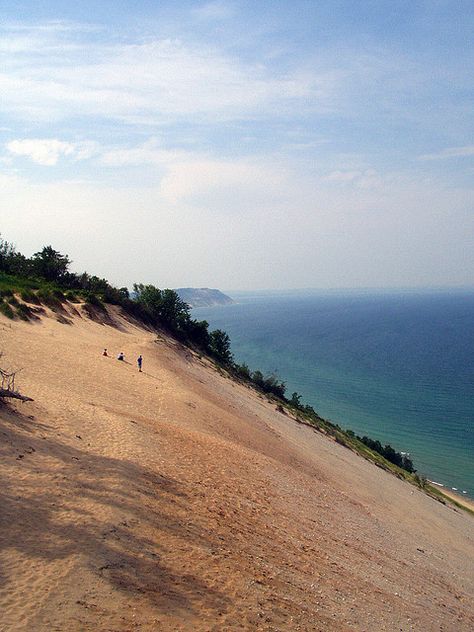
{"points": [[176, 499]]}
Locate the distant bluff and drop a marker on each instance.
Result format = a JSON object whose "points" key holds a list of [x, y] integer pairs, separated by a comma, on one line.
{"points": [[203, 296]]}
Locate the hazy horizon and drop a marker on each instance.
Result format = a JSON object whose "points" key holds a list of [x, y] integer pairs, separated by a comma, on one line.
{"points": [[238, 145]]}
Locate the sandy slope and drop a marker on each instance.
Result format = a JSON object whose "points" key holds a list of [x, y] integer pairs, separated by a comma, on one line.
{"points": [[177, 500]]}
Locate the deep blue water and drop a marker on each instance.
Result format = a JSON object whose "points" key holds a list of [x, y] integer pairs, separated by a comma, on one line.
{"points": [[398, 367]]}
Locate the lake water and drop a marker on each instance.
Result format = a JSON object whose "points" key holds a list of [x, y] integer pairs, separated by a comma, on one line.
{"points": [[395, 366]]}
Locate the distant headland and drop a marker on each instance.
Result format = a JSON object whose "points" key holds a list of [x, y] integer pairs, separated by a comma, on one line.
{"points": [[203, 296]]}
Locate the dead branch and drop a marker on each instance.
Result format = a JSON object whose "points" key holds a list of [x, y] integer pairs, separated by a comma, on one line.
{"points": [[15, 395], [7, 388]]}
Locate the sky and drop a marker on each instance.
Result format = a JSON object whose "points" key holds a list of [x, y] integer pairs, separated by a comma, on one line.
{"points": [[241, 144]]}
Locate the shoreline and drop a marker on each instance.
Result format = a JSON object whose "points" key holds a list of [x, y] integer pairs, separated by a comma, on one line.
{"points": [[465, 501]]}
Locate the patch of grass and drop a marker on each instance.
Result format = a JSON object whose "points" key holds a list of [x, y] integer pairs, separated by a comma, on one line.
{"points": [[92, 299], [58, 294], [13, 283], [71, 296], [436, 493], [349, 440], [6, 310], [29, 297], [24, 312], [420, 480], [46, 297]]}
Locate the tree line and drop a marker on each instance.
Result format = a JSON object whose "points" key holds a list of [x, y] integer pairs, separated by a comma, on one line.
{"points": [[148, 303]]}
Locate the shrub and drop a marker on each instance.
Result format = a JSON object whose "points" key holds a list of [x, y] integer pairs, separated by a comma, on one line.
{"points": [[296, 400], [59, 295], [46, 297], [6, 292], [420, 480], [43, 294], [92, 299], [243, 371], [340, 439], [13, 301], [71, 296], [269, 384]]}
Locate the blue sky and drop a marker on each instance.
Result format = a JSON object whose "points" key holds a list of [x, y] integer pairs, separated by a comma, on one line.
{"points": [[242, 145]]}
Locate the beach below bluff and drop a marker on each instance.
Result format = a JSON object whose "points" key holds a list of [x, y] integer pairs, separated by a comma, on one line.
{"points": [[179, 499]]}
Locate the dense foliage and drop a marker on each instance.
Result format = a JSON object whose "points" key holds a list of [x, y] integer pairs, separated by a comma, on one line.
{"points": [[397, 458]]}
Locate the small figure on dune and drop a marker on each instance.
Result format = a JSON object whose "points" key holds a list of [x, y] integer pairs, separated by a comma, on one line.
{"points": [[139, 362], [121, 356], [105, 353]]}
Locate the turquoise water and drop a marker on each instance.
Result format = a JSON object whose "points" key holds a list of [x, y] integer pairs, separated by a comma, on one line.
{"points": [[398, 367]]}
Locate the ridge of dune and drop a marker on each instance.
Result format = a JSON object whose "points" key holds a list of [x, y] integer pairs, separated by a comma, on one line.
{"points": [[178, 499]]}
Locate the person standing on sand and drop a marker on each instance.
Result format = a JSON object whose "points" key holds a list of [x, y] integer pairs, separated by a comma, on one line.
{"points": [[105, 352], [121, 356], [139, 362]]}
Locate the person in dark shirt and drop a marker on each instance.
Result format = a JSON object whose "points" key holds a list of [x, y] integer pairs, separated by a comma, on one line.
{"points": [[139, 362]]}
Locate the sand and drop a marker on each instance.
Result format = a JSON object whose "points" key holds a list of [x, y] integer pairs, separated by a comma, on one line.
{"points": [[176, 499], [465, 501]]}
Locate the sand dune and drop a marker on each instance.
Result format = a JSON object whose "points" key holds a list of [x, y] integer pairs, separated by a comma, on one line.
{"points": [[175, 499]]}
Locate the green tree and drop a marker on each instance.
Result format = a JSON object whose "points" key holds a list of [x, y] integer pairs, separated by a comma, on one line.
{"points": [[164, 306], [243, 370], [7, 252], [257, 377], [198, 333], [174, 312], [219, 345], [295, 400], [149, 296], [271, 384], [50, 264]]}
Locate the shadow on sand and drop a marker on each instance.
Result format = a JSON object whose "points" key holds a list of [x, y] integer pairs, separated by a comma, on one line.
{"points": [[32, 516]]}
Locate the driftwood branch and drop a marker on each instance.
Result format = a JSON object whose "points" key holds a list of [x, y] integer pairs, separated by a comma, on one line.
{"points": [[4, 392], [7, 385]]}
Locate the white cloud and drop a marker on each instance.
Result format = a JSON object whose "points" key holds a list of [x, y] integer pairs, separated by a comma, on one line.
{"points": [[85, 149], [188, 175], [450, 152], [47, 151], [50, 26], [214, 11], [342, 176], [363, 179], [43, 151], [51, 77], [150, 153]]}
